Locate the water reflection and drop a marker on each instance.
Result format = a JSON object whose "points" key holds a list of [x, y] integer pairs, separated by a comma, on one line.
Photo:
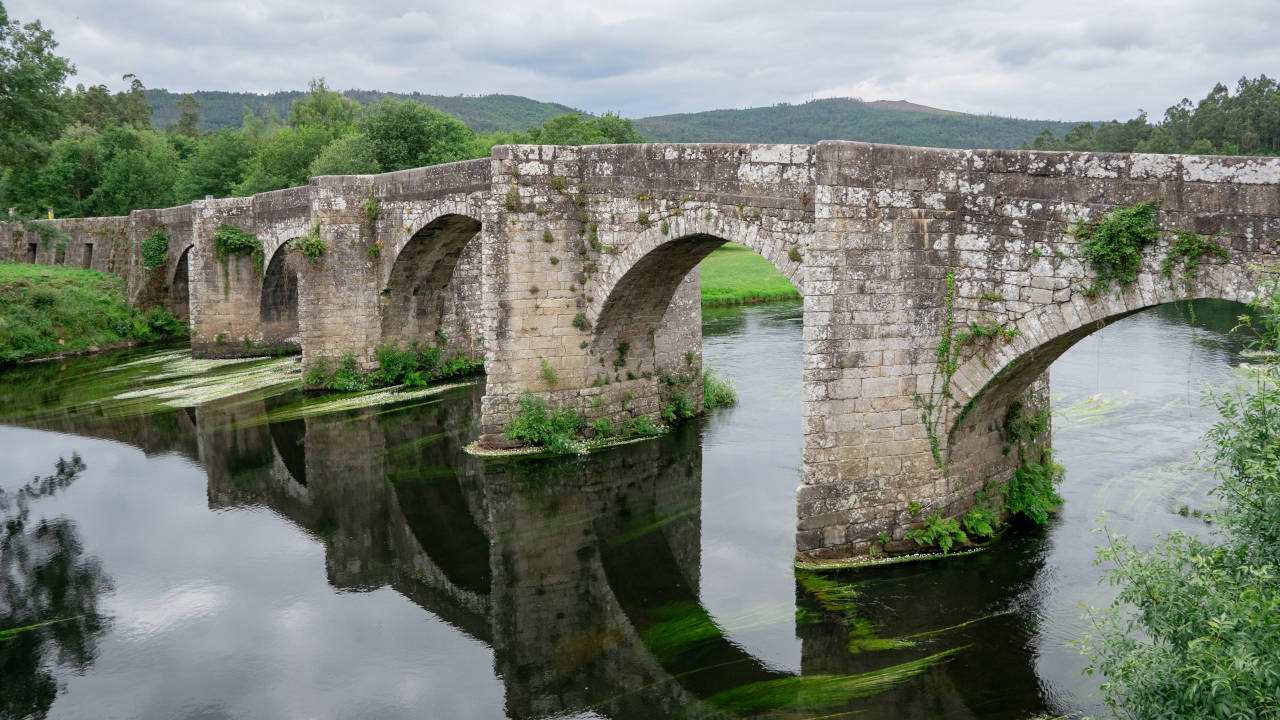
{"points": [[50, 592], [597, 585]]}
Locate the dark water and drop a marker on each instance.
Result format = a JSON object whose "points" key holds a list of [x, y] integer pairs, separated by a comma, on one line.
{"points": [[261, 557]]}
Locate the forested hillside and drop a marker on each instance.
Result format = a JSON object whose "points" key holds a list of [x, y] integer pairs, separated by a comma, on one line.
{"points": [[481, 113], [846, 119]]}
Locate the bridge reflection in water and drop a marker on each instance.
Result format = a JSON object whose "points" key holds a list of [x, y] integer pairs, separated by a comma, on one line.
{"points": [[583, 575]]}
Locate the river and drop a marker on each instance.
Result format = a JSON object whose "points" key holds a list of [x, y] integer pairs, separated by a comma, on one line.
{"points": [[269, 555]]}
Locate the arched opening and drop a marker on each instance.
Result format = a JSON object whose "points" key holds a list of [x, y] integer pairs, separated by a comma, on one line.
{"points": [[180, 287], [278, 306], [432, 292]]}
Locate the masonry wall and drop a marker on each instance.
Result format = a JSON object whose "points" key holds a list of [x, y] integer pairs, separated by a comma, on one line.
{"points": [[594, 255]]}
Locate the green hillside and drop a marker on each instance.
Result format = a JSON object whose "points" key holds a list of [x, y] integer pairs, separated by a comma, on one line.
{"points": [[484, 114], [845, 119], [900, 123]]}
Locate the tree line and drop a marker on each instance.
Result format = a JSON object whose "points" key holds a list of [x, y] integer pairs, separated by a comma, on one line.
{"points": [[86, 152], [1246, 122]]}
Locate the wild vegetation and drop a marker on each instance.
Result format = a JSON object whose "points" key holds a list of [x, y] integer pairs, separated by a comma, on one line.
{"points": [[52, 309], [416, 366], [1191, 633]]}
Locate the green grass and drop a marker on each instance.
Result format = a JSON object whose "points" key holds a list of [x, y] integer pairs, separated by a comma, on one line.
{"points": [[735, 275], [50, 309]]}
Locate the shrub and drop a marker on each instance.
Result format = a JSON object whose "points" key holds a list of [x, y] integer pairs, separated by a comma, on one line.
{"points": [[318, 373], [348, 377], [580, 322], [980, 523], [548, 374], [512, 200], [716, 391], [155, 250], [604, 427], [534, 424], [642, 426]]}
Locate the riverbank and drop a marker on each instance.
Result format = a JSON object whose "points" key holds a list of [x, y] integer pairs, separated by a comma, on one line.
{"points": [[736, 275], [52, 310]]}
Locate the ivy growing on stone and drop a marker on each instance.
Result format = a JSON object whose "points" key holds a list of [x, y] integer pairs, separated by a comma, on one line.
{"points": [[155, 250], [230, 240], [1113, 244], [1187, 250]]}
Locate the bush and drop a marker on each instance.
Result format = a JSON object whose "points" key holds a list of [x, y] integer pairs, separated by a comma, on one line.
{"points": [[642, 426], [534, 424], [604, 427], [1113, 245], [716, 391], [318, 373], [310, 245], [348, 378]]}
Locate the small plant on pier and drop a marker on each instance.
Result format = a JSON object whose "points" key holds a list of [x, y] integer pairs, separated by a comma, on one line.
{"points": [[512, 200], [372, 209], [940, 532], [311, 245], [1032, 491], [155, 250], [548, 374], [535, 424]]}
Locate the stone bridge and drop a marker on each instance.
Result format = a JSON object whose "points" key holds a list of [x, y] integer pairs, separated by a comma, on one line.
{"points": [[573, 272]]}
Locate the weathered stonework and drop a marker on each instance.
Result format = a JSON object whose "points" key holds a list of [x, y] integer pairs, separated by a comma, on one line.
{"points": [[573, 271]]}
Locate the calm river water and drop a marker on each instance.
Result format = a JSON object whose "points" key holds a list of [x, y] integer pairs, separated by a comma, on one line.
{"points": [[266, 555]]}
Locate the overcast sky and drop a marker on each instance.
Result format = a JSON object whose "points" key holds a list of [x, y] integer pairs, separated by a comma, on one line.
{"points": [[1088, 59]]}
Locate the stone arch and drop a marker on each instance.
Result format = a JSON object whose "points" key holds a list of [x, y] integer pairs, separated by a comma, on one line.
{"points": [[278, 301], [984, 386], [420, 292], [637, 286], [180, 286]]}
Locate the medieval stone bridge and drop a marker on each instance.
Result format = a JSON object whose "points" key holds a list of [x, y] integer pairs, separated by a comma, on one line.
{"points": [[582, 261]]}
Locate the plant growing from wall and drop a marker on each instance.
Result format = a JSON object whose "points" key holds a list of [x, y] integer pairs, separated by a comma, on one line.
{"points": [[934, 404], [548, 374], [940, 532], [230, 240], [372, 209], [580, 322], [534, 424], [1032, 491], [1113, 244], [1187, 250], [512, 200], [155, 250], [311, 245]]}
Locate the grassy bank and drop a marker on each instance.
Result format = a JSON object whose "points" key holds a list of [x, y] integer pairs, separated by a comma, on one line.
{"points": [[735, 275], [51, 310]]}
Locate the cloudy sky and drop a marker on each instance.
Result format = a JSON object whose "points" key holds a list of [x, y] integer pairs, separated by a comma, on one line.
{"points": [[1089, 59]]}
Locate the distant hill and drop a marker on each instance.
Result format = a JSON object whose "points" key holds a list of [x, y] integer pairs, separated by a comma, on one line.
{"points": [[897, 122], [883, 121], [484, 113]]}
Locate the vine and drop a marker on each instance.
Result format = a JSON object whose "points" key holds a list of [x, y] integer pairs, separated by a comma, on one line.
{"points": [[934, 405], [1113, 245], [1188, 249], [155, 250], [230, 240]]}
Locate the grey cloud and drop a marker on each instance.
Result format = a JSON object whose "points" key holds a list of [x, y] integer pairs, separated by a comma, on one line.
{"points": [[1090, 59]]}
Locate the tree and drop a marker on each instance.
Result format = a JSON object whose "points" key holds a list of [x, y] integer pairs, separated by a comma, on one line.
{"points": [[324, 108], [350, 155], [215, 168], [188, 115], [405, 134], [140, 171], [283, 159], [1192, 632], [32, 111]]}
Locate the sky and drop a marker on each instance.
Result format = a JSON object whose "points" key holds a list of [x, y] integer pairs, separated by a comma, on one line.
{"points": [[1082, 60]]}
